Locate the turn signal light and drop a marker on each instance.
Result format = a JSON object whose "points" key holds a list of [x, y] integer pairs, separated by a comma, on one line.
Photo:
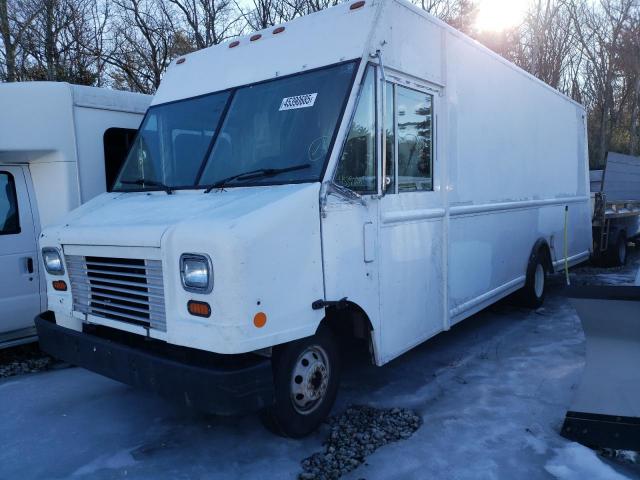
{"points": [[199, 309], [59, 285]]}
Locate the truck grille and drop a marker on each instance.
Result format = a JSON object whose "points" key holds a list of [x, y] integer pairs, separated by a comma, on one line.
{"points": [[124, 289]]}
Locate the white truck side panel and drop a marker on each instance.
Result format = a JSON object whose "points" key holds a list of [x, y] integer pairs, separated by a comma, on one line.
{"points": [[510, 155], [517, 157]]}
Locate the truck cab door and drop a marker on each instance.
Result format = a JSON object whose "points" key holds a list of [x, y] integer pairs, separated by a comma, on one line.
{"points": [[350, 209], [412, 223], [19, 279]]}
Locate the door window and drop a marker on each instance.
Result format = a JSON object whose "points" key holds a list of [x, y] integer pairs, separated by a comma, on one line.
{"points": [[409, 131], [9, 222], [357, 167]]}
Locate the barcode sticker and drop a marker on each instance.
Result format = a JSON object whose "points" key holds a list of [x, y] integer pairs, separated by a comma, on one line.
{"points": [[299, 101]]}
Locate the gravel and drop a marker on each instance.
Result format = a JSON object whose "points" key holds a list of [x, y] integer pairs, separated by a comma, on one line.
{"points": [[24, 359], [355, 434]]}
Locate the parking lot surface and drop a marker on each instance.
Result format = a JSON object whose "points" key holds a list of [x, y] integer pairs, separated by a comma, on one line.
{"points": [[491, 393]]}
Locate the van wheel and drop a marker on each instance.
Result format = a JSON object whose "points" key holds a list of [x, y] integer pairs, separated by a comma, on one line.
{"points": [[533, 292], [618, 251], [306, 376]]}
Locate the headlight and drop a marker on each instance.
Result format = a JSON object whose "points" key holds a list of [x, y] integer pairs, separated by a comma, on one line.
{"points": [[52, 261], [196, 273]]}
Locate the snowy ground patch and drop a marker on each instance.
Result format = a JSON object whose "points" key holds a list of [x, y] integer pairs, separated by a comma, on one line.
{"points": [[576, 462]]}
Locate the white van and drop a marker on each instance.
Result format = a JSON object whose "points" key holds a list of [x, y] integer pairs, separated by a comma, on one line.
{"points": [[363, 171], [60, 145]]}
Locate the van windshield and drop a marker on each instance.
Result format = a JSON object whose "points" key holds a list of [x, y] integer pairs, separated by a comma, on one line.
{"points": [[271, 126]]}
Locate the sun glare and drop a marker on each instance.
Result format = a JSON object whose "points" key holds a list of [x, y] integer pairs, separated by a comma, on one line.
{"points": [[499, 15]]}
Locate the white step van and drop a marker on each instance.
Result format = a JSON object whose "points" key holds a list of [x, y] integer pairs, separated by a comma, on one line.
{"points": [[363, 171], [60, 145]]}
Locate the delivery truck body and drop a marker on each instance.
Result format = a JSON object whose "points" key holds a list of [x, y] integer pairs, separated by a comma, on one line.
{"points": [[60, 146], [364, 171]]}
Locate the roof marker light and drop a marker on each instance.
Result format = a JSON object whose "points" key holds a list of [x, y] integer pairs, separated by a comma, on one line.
{"points": [[278, 30], [356, 5], [255, 37], [234, 44], [180, 60]]}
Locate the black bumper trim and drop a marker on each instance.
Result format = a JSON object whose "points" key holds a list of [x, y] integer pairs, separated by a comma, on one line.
{"points": [[218, 390], [604, 431]]}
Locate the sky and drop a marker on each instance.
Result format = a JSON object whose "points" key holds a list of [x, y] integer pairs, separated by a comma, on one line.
{"points": [[496, 15]]}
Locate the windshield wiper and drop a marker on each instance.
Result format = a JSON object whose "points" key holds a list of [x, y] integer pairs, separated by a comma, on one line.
{"points": [[152, 183], [261, 172]]}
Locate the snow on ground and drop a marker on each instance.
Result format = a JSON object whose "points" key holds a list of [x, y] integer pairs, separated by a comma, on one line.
{"points": [[575, 462], [492, 393]]}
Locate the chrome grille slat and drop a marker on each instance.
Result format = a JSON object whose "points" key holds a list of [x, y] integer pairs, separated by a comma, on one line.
{"points": [[87, 287], [119, 297], [90, 264], [112, 273], [121, 282], [127, 290]]}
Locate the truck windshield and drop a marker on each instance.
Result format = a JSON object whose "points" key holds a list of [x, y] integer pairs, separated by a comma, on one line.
{"points": [[271, 125]]}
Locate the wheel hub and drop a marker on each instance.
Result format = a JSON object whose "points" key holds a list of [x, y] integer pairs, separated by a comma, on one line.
{"points": [[310, 379], [539, 281]]}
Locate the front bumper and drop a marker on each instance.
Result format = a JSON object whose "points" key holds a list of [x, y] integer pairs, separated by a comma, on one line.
{"points": [[211, 386]]}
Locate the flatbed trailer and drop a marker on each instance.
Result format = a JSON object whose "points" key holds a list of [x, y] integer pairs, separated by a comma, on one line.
{"points": [[616, 208]]}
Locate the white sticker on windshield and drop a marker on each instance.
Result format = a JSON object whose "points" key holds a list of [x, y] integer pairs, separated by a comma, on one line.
{"points": [[299, 101]]}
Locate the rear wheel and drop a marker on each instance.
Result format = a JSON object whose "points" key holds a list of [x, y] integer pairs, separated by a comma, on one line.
{"points": [[306, 375], [618, 252], [534, 290]]}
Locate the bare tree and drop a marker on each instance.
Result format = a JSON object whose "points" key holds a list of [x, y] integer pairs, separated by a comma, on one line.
{"points": [[628, 55], [598, 30], [144, 43], [15, 19], [548, 40], [459, 14], [208, 22]]}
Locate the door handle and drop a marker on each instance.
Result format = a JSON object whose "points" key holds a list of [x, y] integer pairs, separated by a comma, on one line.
{"points": [[29, 262]]}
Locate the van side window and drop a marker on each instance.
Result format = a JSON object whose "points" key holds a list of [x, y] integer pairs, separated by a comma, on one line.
{"points": [[414, 114], [9, 222], [357, 167], [116, 142]]}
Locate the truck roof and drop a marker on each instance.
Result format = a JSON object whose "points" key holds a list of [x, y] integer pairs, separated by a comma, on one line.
{"points": [[330, 36], [79, 95]]}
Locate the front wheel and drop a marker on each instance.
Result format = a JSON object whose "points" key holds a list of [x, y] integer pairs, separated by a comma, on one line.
{"points": [[306, 376]]}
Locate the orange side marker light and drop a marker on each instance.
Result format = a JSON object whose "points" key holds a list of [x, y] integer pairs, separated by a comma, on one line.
{"points": [[59, 285], [260, 319]]}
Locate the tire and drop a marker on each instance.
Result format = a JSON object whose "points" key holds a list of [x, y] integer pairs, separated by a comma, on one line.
{"points": [[306, 376], [534, 290], [618, 252]]}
